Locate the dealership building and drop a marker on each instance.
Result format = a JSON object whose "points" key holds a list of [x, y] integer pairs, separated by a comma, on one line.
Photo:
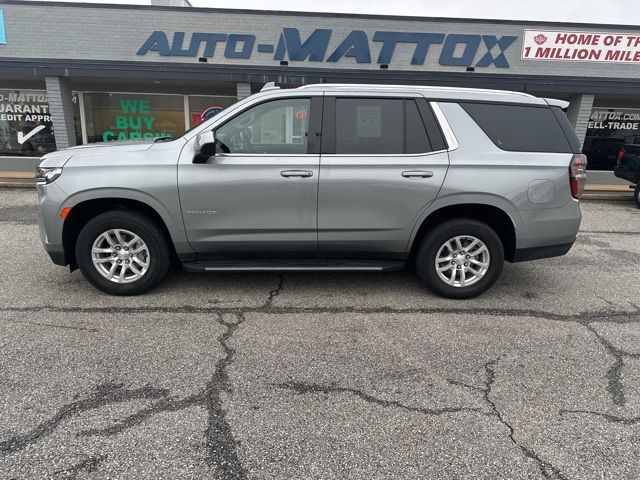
{"points": [[78, 73]]}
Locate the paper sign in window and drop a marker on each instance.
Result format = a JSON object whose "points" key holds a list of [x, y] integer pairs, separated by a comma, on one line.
{"points": [[369, 120]]}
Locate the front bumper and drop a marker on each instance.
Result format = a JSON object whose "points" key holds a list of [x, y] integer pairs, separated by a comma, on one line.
{"points": [[58, 258], [50, 225]]}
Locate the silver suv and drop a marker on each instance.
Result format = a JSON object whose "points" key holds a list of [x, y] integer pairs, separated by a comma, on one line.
{"points": [[325, 177]]}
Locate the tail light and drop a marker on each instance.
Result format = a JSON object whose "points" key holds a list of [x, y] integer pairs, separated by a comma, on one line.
{"points": [[577, 175], [621, 154]]}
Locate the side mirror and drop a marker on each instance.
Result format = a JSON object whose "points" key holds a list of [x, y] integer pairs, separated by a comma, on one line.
{"points": [[205, 146]]}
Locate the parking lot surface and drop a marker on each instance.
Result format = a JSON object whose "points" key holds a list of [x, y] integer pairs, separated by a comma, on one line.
{"points": [[323, 376]]}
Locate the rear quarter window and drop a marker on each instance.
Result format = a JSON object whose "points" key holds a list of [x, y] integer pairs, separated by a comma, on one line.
{"points": [[520, 128]]}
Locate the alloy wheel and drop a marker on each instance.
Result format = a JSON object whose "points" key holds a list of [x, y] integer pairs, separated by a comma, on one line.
{"points": [[462, 261], [120, 256]]}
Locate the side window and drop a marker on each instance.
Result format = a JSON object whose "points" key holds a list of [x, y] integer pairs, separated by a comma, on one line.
{"points": [[519, 128], [369, 126], [416, 140], [391, 126], [433, 128], [567, 128], [279, 127]]}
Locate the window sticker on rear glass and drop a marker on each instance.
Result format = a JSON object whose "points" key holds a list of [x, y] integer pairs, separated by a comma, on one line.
{"points": [[369, 121], [302, 112]]}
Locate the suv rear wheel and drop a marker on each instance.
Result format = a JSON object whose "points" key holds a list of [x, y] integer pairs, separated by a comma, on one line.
{"points": [[460, 258], [636, 194], [122, 253]]}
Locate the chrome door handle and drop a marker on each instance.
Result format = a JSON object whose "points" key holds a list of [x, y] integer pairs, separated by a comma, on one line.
{"points": [[297, 173], [417, 174]]}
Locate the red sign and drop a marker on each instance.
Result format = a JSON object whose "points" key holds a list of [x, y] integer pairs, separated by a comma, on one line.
{"points": [[581, 46], [540, 39]]}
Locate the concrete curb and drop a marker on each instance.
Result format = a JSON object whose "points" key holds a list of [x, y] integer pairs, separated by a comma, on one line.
{"points": [[17, 185], [12, 182], [611, 197]]}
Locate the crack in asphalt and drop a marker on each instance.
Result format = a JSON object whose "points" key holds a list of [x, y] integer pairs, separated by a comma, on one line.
{"points": [[105, 394], [608, 417], [88, 465], [275, 292], [598, 316], [546, 468], [614, 375], [615, 386], [167, 404], [220, 441], [302, 388]]}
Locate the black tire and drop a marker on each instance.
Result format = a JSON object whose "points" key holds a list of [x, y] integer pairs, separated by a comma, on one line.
{"points": [[146, 229], [636, 194], [436, 238]]}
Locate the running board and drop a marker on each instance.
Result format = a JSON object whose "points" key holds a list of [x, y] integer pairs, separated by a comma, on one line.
{"points": [[316, 265]]}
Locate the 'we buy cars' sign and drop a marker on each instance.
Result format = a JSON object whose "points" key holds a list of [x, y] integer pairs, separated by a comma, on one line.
{"points": [[567, 46]]}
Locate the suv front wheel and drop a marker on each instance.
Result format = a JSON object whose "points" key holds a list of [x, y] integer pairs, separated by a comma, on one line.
{"points": [[460, 258], [122, 253]]}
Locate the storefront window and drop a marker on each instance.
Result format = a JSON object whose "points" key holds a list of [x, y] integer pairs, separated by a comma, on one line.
{"points": [[203, 108], [608, 130], [25, 123], [118, 116]]}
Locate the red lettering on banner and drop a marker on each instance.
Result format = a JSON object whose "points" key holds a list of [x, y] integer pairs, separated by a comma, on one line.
{"points": [[543, 52], [589, 39], [574, 39], [612, 55], [561, 38], [581, 46]]}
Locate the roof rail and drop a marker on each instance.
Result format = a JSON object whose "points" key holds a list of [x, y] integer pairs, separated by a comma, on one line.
{"points": [[328, 86], [269, 86]]}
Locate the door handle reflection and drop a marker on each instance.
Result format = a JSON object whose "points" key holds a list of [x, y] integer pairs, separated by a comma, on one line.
{"points": [[417, 174], [297, 173]]}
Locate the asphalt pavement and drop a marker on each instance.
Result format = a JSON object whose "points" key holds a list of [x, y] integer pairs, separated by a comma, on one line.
{"points": [[323, 376]]}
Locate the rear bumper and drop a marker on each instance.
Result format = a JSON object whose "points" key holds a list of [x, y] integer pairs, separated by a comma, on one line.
{"points": [[535, 253], [548, 228]]}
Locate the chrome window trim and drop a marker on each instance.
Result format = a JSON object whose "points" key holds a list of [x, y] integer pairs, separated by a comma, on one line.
{"points": [[380, 155], [449, 136], [280, 155]]}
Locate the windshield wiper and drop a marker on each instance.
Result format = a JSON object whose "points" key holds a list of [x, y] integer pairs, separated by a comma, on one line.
{"points": [[163, 139]]}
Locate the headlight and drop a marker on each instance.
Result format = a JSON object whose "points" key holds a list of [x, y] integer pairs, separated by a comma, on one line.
{"points": [[45, 175]]}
